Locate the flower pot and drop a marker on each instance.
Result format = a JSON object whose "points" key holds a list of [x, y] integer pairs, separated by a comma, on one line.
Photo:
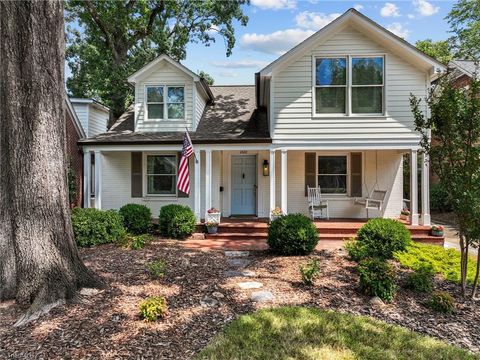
{"points": [[275, 217], [215, 217], [212, 229], [438, 233]]}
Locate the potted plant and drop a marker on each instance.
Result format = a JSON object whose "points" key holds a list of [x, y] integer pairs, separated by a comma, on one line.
{"points": [[213, 215], [437, 230], [212, 227], [404, 214], [276, 213]]}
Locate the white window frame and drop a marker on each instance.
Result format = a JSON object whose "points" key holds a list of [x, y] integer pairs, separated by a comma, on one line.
{"points": [[348, 96], [343, 154], [165, 101], [315, 86], [145, 174]]}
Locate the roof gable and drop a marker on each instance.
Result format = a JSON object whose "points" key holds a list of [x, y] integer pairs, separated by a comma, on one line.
{"points": [[162, 58], [367, 26]]}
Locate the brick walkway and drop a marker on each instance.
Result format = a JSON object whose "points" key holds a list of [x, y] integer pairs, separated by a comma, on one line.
{"points": [[248, 245]]}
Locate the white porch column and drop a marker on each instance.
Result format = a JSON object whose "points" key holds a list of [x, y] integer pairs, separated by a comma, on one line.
{"points": [[208, 179], [272, 181], [413, 187], [284, 181], [86, 179], [425, 219], [198, 181], [98, 179]]}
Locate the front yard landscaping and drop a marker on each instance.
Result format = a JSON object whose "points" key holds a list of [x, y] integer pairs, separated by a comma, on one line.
{"points": [[207, 290]]}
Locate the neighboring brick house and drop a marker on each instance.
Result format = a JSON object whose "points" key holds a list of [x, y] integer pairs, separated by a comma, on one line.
{"points": [[83, 117]]}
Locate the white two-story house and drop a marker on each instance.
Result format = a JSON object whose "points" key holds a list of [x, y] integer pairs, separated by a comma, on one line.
{"points": [[333, 112]]}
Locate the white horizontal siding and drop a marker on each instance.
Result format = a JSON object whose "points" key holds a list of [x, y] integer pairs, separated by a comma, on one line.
{"points": [[293, 102], [200, 103], [97, 122], [82, 113], [164, 74]]}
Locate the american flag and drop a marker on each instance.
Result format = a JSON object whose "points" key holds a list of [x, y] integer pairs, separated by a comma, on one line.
{"points": [[183, 183]]}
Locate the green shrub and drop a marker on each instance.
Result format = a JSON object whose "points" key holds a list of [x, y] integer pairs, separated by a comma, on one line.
{"points": [[136, 218], [443, 302], [439, 198], [310, 271], [177, 221], [136, 242], [94, 227], [157, 268], [356, 251], [421, 280], [442, 261], [382, 237], [293, 234], [153, 308], [377, 278]]}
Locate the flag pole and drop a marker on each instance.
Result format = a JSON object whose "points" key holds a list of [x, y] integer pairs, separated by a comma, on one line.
{"points": [[195, 155]]}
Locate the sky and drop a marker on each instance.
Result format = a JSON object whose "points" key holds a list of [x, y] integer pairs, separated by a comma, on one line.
{"points": [[275, 26]]}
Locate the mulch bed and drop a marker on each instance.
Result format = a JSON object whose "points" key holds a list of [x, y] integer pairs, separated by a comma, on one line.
{"points": [[107, 326]]}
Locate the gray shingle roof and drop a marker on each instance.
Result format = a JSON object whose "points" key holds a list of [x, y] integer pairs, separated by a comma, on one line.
{"points": [[232, 117], [464, 66]]}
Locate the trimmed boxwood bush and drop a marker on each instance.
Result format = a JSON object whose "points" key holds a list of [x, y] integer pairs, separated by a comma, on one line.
{"points": [[421, 280], [356, 250], [136, 218], [94, 227], [293, 234], [382, 237], [377, 278], [177, 221], [443, 302]]}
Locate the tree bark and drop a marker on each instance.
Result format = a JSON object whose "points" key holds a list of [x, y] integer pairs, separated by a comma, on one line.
{"points": [[42, 267]]}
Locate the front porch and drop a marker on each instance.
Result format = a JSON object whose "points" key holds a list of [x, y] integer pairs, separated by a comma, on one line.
{"points": [[251, 234]]}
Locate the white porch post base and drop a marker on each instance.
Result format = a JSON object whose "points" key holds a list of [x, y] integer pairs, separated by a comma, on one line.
{"points": [[426, 220], [86, 179], [414, 187], [272, 182], [415, 219], [98, 179], [284, 181]]}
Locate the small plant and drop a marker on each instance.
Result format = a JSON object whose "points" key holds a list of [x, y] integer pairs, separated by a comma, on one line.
{"points": [[157, 268], [136, 218], [405, 211], [377, 278], [212, 210], [443, 302], [293, 234], [153, 308], [310, 271], [356, 251], [421, 280], [277, 212], [437, 230], [177, 221], [382, 237], [136, 242], [94, 227], [212, 227]]}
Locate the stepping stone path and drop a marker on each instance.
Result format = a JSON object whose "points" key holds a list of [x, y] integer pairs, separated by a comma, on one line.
{"points": [[262, 296], [250, 285], [238, 260]]}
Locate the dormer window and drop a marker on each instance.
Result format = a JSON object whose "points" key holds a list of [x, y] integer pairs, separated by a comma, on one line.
{"points": [[171, 106]]}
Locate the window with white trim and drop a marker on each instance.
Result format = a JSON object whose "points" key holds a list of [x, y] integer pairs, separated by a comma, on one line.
{"points": [[349, 85], [165, 102], [332, 174], [161, 174]]}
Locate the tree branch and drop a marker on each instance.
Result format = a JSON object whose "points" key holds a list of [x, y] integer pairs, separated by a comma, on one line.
{"points": [[103, 28], [141, 33]]}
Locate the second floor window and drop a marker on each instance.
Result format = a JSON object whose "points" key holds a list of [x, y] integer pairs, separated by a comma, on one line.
{"points": [[349, 85], [165, 102]]}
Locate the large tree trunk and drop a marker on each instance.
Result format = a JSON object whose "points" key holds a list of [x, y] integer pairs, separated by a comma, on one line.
{"points": [[41, 267]]}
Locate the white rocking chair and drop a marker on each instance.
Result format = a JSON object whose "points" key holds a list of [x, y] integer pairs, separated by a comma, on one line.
{"points": [[373, 202], [318, 207]]}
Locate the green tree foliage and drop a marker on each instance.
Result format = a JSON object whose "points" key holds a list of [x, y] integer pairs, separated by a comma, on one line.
{"points": [[209, 78], [455, 156], [110, 40], [464, 20], [439, 50]]}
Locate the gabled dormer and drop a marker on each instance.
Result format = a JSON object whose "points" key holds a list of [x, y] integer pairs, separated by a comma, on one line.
{"points": [[93, 115], [168, 96]]}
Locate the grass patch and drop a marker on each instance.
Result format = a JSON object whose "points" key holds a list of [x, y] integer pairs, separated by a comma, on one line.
{"points": [[307, 334], [442, 261]]}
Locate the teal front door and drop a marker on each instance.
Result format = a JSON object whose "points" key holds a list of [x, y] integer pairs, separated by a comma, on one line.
{"points": [[244, 185]]}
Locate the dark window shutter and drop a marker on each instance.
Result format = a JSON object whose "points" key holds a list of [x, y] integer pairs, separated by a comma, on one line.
{"points": [[137, 186], [356, 174], [310, 173], [181, 194]]}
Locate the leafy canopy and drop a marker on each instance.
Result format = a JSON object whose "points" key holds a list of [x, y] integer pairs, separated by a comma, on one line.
{"points": [[439, 50], [464, 20], [109, 40]]}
